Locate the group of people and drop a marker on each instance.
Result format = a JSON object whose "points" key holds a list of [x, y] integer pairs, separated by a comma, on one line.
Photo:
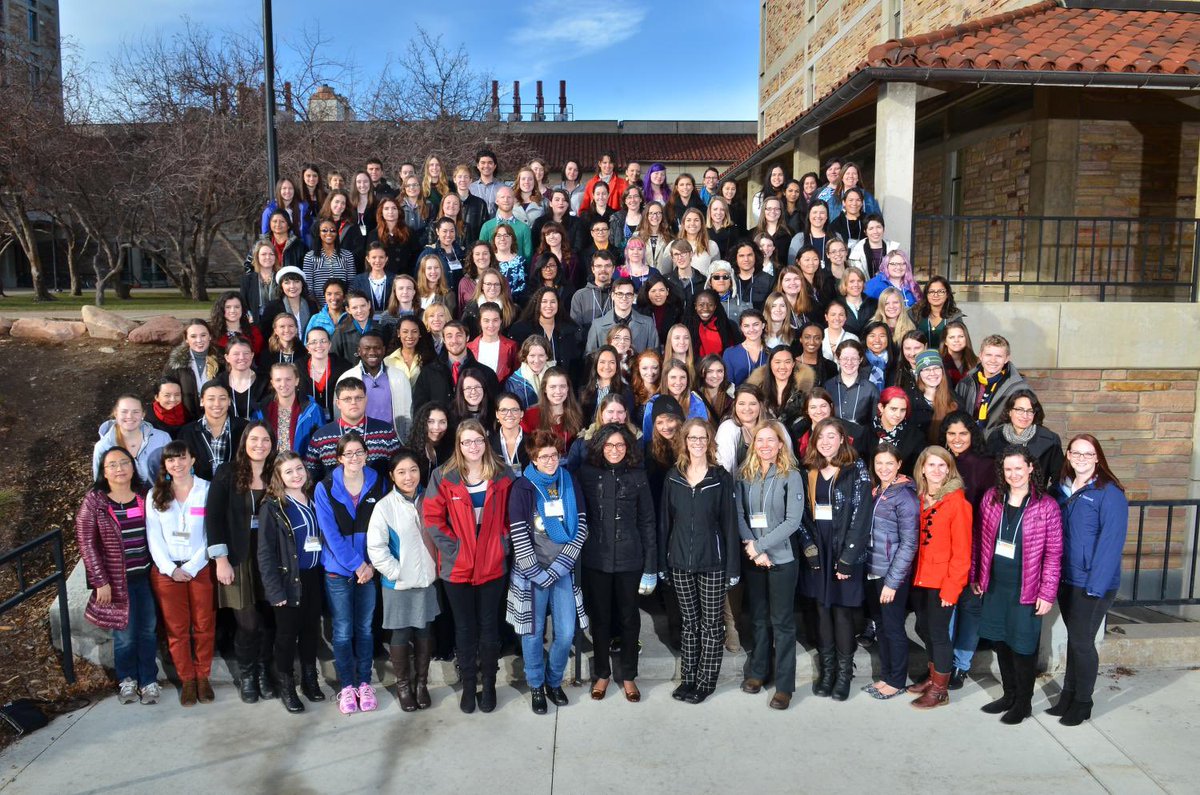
{"points": [[433, 408]]}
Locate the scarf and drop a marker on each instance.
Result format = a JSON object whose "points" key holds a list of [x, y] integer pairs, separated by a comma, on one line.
{"points": [[1013, 437], [172, 418], [534, 379], [987, 391], [892, 437], [878, 368], [560, 529]]}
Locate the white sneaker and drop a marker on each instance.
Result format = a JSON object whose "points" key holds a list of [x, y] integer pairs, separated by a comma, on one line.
{"points": [[129, 691], [150, 693]]}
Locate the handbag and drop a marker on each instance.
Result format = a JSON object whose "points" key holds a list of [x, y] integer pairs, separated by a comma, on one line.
{"points": [[24, 715]]}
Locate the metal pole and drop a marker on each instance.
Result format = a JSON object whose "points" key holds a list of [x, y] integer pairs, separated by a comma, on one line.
{"points": [[269, 97], [64, 610]]}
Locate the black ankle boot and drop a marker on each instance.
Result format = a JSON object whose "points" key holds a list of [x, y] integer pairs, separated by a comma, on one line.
{"points": [[844, 674], [266, 684], [248, 686], [537, 696], [1064, 703], [287, 688], [310, 683], [467, 701], [826, 671], [1077, 713]]}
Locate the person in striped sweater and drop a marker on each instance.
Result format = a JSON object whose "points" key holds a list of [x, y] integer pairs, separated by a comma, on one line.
{"points": [[350, 401]]}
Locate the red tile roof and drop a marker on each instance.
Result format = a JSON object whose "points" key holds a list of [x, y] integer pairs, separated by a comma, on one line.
{"points": [[1043, 37], [645, 148], [1047, 37]]}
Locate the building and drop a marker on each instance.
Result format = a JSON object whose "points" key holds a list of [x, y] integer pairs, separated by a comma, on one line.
{"points": [[1044, 158], [30, 49], [326, 105]]}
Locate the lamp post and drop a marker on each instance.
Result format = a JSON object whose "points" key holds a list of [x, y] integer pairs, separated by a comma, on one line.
{"points": [[269, 97]]}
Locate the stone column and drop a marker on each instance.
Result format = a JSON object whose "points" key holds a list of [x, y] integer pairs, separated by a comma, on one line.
{"points": [[754, 184], [895, 140]]}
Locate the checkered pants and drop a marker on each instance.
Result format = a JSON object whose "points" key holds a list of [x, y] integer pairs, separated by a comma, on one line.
{"points": [[701, 604]]}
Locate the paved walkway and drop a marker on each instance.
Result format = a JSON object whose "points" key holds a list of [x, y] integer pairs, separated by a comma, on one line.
{"points": [[1143, 739]]}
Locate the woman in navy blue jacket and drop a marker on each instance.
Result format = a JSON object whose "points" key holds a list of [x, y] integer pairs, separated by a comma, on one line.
{"points": [[344, 502], [1095, 521]]}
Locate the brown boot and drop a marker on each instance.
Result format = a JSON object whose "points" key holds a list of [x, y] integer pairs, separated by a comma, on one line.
{"points": [[187, 694], [423, 653], [402, 655], [204, 690], [938, 694], [917, 688]]}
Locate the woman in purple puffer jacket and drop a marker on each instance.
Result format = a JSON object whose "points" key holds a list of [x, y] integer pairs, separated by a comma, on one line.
{"points": [[1020, 562]]}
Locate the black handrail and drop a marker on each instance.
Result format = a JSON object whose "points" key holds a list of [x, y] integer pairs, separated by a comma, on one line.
{"points": [[1158, 554], [1145, 257], [58, 577]]}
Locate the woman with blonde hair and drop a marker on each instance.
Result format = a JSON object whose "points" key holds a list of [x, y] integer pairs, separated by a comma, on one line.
{"points": [[892, 312], [434, 185], [656, 233], [491, 289], [431, 283], [691, 229], [942, 567], [769, 503]]}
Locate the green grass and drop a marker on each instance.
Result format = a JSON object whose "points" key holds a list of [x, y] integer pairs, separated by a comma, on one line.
{"points": [[164, 300]]}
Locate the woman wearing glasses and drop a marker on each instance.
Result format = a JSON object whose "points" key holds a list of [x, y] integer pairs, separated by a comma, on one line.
{"points": [[943, 564], [1095, 521], [698, 552], [935, 309], [1021, 424], [548, 527], [466, 514]]}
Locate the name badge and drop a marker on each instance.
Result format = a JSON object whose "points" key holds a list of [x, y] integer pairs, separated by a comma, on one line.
{"points": [[136, 512], [758, 521], [181, 533], [197, 510], [455, 265], [1006, 549], [254, 523], [554, 508], [312, 543], [824, 513]]}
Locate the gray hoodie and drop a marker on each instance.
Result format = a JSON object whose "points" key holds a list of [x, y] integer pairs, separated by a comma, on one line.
{"points": [[149, 457]]}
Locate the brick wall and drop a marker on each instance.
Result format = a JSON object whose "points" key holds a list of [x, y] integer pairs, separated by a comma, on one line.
{"points": [[1144, 419]]}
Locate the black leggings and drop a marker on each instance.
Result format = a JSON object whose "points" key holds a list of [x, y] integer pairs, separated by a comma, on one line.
{"points": [[405, 635], [300, 625], [835, 628], [1083, 616], [933, 627], [476, 611], [608, 595], [254, 639]]}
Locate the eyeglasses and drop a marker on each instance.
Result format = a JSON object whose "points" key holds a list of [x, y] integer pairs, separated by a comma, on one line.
{"points": [[614, 446], [623, 294], [508, 411], [719, 277], [698, 439], [329, 231], [471, 443], [1025, 412], [475, 388], [1081, 454], [113, 466], [675, 254], [547, 457], [935, 292], [356, 455]]}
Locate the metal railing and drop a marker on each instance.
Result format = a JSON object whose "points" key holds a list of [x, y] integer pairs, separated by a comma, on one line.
{"points": [[1166, 537], [25, 590], [1142, 257]]}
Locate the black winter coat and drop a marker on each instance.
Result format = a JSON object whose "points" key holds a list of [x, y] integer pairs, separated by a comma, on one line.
{"points": [[851, 516], [621, 522], [277, 563], [697, 527]]}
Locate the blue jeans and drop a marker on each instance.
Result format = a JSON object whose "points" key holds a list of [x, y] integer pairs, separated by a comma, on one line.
{"points": [[352, 608], [964, 628], [560, 599], [135, 648]]}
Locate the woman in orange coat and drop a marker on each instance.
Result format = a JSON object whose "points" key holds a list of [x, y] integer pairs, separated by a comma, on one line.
{"points": [[943, 565]]}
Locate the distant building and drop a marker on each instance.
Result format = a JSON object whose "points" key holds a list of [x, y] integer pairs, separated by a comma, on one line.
{"points": [[30, 48], [327, 105]]}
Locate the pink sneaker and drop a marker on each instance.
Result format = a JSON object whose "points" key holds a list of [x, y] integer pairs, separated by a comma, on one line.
{"points": [[366, 697], [348, 702]]}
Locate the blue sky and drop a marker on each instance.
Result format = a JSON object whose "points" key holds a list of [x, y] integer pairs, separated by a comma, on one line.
{"points": [[622, 59]]}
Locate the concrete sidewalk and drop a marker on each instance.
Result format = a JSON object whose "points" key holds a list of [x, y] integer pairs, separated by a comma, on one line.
{"points": [[1142, 739]]}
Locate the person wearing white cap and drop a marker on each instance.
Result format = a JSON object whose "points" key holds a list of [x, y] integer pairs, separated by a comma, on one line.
{"points": [[292, 300]]}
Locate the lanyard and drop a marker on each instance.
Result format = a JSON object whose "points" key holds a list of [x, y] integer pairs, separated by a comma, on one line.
{"points": [[1016, 529]]}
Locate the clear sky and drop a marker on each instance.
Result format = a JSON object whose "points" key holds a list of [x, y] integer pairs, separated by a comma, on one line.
{"points": [[622, 59]]}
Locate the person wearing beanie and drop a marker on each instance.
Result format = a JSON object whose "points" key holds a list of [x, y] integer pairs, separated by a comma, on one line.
{"points": [[931, 397], [293, 299]]}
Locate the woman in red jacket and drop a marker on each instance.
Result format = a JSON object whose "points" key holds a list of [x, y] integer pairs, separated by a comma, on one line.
{"points": [[466, 514], [1020, 561], [943, 564]]}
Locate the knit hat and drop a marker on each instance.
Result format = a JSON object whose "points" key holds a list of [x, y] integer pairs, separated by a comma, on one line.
{"points": [[665, 405], [290, 270], [925, 360]]}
